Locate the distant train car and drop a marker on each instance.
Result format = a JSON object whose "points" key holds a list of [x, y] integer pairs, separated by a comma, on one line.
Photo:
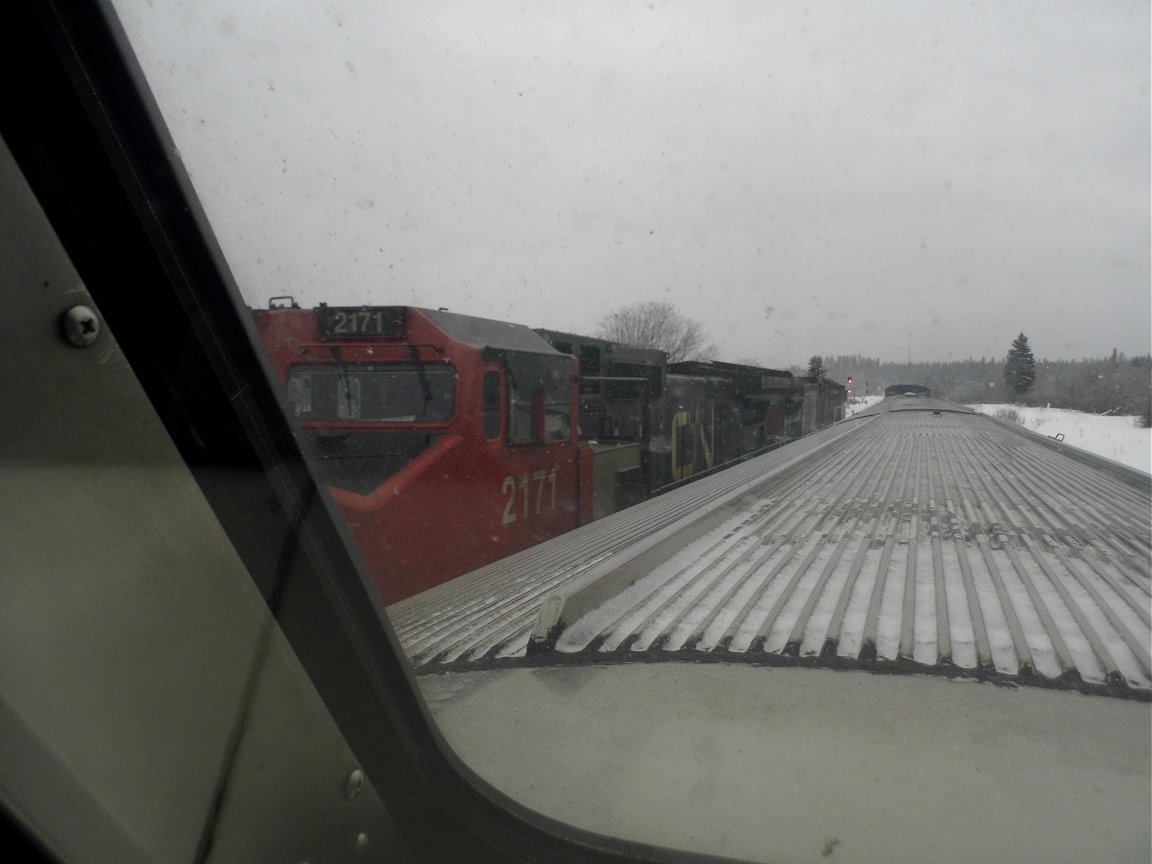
{"points": [[481, 438], [907, 390], [677, 419]]}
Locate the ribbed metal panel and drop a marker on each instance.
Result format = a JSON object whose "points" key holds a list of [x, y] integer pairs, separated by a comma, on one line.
{"points": [[492, 610], [906, 540]]}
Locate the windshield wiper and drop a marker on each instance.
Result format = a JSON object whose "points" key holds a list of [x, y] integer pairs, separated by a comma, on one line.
{"points": [[345, 378], [425, 386]]}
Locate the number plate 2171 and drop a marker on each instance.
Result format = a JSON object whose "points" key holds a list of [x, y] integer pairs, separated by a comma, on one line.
{"points": [[363, 322]]}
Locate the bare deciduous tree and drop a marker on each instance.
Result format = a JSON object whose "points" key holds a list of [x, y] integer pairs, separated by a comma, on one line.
{"points": [[659, 325]]}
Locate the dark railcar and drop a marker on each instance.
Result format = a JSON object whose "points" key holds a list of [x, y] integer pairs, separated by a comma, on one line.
{"points": [[907, 390], [684, 418]]}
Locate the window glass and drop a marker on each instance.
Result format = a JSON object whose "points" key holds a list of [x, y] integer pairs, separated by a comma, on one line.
{"points": [[522, 414], [822, 189], [540, 415], [384, 393], [557, 414]]}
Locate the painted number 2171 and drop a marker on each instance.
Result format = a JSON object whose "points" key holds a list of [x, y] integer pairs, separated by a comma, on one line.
{"points": [[525, 494]]}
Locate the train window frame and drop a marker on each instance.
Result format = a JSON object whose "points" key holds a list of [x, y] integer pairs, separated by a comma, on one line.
{"points": [[98, 157], [91, 143], [556, 398], [534, 413]]}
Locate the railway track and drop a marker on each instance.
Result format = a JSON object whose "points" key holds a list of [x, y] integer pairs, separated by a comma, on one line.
{"points": [[916, 537]]}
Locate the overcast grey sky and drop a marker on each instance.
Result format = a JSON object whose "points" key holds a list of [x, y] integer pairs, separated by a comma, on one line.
{"points": [[804, 178]]}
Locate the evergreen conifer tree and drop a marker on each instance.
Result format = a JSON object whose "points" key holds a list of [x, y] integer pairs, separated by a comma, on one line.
{"points": [[816, 366], [1020, 368]]}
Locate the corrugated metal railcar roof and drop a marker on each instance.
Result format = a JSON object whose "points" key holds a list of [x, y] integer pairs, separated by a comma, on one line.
{"points": [[903, 540]]}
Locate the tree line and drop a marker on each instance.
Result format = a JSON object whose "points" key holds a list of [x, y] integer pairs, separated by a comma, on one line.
{"points": [[1115, 383], [1112, 384]]}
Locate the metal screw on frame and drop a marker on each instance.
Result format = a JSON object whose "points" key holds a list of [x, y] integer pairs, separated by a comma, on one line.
{"points": [[80, 326], [353, 784]]}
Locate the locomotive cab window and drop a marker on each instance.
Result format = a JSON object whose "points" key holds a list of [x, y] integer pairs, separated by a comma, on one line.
{"points": [[557, 414], [372, 393], [540, 393], [539, 416], [524, 408]]}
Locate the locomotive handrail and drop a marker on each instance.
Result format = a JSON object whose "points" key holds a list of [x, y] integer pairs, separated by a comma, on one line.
{"points": [[614, 378]]}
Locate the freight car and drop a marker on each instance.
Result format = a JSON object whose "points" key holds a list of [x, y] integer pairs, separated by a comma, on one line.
{"points": [[484, 437]]}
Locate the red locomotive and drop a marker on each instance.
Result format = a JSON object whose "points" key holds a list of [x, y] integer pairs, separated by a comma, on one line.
{"points": [[482, 438]]}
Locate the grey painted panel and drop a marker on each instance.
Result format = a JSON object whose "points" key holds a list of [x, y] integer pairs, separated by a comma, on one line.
{"points": [[811, 764], [295, 792], [140, 671], [126, 631]]}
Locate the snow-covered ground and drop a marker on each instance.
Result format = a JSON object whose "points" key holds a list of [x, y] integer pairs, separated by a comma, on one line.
{"points": [[859, 403], [1116, 438]]}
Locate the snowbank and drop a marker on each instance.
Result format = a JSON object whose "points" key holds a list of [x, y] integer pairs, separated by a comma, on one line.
{"points": [[859, 403], [1116, 438]]}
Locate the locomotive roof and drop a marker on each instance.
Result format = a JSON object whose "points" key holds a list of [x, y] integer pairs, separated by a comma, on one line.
{"points": [[814, 379], [620, 353], [486, 333], [718, 367]]}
